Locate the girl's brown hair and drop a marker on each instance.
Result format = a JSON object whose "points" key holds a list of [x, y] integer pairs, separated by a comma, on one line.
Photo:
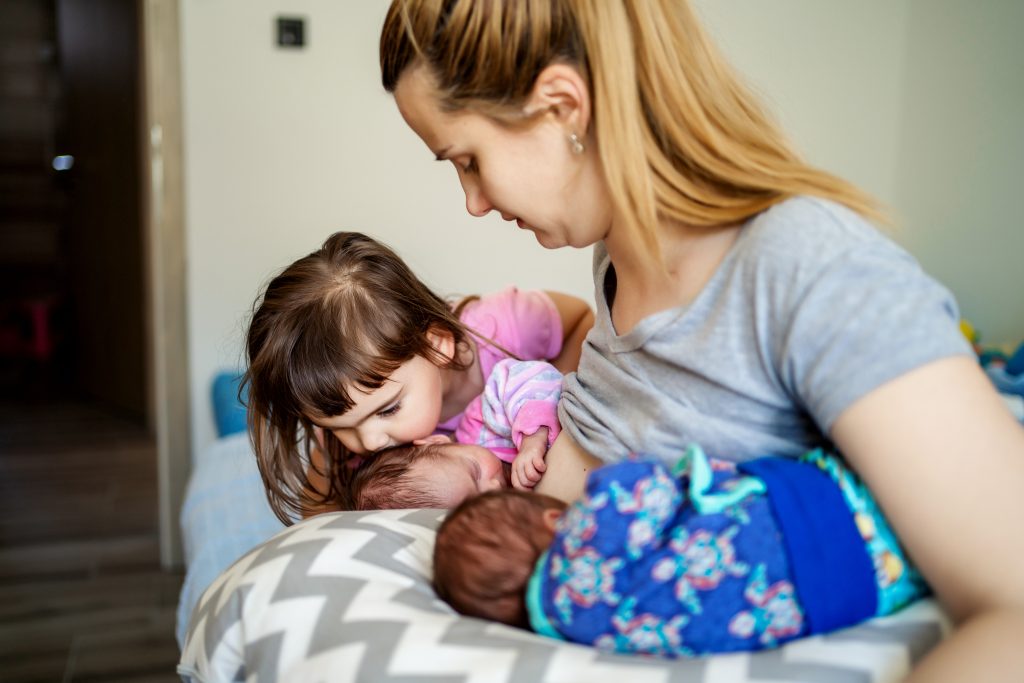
{"points": [[680, 137], [347, 315], [486, 549]]}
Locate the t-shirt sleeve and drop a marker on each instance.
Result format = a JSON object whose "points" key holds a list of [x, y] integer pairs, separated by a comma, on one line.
{"points": [[524, 322], [859, 319]]}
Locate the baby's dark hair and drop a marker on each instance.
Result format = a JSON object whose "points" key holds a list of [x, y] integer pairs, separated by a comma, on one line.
{"points": [[486, 550], [387, 482], [348, 314]]}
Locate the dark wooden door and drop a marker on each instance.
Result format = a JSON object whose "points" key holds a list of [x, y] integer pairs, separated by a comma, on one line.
{"points": [[32, 254], [99, 57]]}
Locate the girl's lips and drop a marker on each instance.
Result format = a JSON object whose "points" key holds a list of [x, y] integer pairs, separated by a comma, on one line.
{"points": [[519, 222]]}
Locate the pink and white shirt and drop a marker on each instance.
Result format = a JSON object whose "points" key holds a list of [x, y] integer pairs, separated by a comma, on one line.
{"points": [[519, 398]]}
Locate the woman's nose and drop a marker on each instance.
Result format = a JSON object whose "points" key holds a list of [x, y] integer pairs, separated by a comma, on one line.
{"points": [[476, 203]]}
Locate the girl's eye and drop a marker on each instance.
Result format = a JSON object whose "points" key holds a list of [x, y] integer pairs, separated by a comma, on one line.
{"points": [[469, 167], [389, 411]]}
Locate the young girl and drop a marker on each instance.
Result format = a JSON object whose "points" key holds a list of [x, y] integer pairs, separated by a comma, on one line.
{"points": [[348, 348], [745, 302]]}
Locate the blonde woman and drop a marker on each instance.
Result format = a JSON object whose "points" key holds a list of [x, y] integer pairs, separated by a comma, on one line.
{"points": [[745, 301]]}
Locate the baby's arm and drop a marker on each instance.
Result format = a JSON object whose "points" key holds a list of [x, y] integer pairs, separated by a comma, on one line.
{"points": [[577, 319], [945, 460], [528, 466], [520, 402]]}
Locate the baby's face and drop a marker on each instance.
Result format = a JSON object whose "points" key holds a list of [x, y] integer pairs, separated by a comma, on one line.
{"points": [[460, 471]]}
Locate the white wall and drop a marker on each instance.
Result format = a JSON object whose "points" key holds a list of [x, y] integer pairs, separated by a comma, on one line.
{"points": [[832, 73], [284, 147], [921, 102], [962, 156]]}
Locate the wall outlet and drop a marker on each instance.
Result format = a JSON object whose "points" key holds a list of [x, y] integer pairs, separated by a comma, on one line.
{"points": [[291, 31]]}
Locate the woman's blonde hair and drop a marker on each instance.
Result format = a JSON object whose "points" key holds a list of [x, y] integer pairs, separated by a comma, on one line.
{"points": [[680, 136]]}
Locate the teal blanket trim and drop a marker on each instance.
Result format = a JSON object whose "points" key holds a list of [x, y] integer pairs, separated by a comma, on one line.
{"points": [[534, 607], [694, 463]]}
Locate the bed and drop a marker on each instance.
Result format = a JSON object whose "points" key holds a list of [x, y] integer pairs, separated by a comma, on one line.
{"points": [[346, 597]]}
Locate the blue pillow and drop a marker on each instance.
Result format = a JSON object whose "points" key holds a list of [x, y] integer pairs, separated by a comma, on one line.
{"points": [[228, 411]]}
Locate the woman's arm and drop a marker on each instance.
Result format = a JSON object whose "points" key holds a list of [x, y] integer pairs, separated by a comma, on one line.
{"points": [[577, 319], [566, 469], [945, 459]]}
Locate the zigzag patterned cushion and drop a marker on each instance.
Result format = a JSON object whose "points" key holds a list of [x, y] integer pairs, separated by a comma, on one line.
{"points": [[346, 597]]}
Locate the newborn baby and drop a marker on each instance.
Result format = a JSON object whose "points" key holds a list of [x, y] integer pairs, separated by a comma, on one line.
{"points": [[715, 557]]}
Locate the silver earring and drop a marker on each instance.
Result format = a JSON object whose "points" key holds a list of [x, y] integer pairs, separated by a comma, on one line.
{"points": [[575, 144]]}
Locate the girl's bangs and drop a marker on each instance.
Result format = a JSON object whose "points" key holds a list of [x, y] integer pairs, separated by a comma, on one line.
{"points": [[327, 369]]}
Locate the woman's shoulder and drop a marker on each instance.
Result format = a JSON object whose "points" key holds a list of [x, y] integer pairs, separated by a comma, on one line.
{"points": [[809, 233], [814, 221]]}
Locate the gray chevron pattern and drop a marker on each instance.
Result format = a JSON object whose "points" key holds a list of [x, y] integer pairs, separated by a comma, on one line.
{"points": [[346, 597]]}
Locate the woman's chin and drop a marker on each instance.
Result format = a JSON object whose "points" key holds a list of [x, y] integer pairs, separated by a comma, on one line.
{"points": [[547, 241]]}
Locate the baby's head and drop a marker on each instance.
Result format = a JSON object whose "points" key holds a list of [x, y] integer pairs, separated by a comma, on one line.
{"points": [[436, 474], [486, 550]]}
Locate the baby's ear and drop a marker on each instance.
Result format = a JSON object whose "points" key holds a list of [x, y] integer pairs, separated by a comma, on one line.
{"points": [[443, 342], [433, 438], [550, 517]]}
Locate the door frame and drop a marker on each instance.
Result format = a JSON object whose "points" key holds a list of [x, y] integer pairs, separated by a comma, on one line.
{"points": [[163, 203]]}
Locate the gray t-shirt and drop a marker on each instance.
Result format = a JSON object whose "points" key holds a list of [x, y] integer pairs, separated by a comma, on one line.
{"points": [[811, 309]]}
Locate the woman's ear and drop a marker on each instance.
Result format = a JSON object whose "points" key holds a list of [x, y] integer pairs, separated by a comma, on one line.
{"points": [[442, 341], [561, 90]]}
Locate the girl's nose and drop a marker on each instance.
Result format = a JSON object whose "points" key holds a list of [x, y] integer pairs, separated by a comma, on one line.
{"points": [[374, 440]]}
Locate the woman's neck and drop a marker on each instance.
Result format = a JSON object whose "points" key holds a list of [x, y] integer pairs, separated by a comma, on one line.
{"points": [[462, 386], [689, 258]]}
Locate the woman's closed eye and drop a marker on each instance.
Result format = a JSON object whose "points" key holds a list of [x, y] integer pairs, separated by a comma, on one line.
{"points": [[469, 167]]}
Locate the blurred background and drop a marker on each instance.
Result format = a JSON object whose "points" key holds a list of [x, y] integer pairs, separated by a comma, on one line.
{"points": [[161, 159]]}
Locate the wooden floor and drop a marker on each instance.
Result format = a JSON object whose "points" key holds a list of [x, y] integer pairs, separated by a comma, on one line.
{"points": [[82, 595]]}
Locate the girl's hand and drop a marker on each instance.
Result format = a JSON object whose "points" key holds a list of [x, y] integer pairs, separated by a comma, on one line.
{"points": [[318, 434], [529, 466], [318, 484]]}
